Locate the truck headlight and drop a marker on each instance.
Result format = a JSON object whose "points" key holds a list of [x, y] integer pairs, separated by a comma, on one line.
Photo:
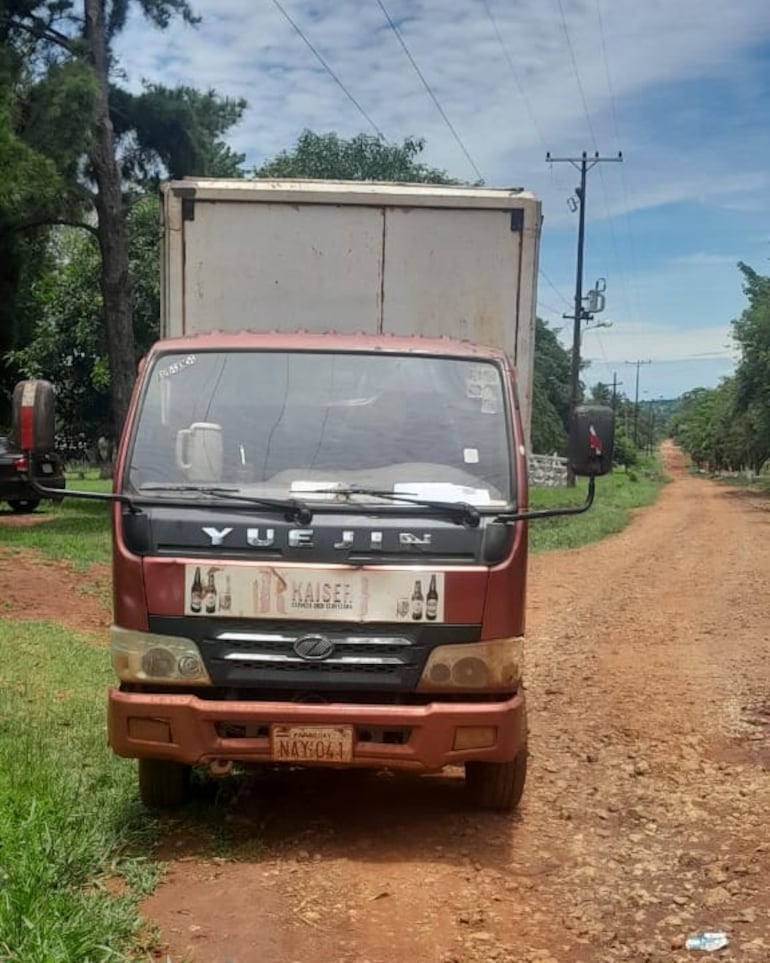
{"points": [[496, 665], [147, 657]]}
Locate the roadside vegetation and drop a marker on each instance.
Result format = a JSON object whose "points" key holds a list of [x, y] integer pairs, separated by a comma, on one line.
{"points": [[73, 860], [76, 842], [617, 495]]}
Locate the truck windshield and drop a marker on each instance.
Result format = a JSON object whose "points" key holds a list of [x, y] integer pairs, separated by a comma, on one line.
{"points": [[294, 424]]}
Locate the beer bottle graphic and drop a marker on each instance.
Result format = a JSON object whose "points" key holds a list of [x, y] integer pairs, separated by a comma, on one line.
{"points": [[431, 600], [196, 593], [225, 600], [211, 594], [417, 601]]}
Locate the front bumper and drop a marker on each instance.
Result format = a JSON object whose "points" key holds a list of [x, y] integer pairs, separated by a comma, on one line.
{"points": [[186, 729]]}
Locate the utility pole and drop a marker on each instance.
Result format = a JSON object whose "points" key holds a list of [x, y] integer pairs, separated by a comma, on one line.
{"points": [[636, 400], [584, 165], [615, 385]]}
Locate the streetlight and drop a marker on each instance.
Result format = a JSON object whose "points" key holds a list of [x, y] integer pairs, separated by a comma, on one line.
{"points": [[588, 326]]}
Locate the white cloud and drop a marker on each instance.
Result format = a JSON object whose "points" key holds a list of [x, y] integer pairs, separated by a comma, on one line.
{"points": [[672, 67], [248, 49]]}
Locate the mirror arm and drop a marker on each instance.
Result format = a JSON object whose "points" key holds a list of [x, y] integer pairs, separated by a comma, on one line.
{"points": [[552, 512], [47, 492]]}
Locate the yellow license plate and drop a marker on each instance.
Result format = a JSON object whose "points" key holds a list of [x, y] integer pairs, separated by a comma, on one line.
{"points": [[298, 744]]}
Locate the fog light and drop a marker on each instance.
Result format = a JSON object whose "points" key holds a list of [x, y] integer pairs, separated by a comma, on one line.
{"points": [[158, 663], [475, 737], [189, 666], [469, 671]]}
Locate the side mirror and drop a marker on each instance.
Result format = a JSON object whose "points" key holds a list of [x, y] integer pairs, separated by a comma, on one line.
{"points": [[591, 440], [32, 426]]}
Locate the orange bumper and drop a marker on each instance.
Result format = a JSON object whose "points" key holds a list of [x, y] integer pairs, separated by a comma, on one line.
{"points": [[186, 729]]}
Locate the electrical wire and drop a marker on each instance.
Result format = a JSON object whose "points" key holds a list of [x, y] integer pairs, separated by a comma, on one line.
{"points": [[577, 75], [616, 130], [428, 89], [602, 180], [517, 79], [329, 70], [553, 287]]}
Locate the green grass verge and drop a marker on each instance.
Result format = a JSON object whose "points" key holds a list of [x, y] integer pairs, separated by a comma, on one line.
{"points": [[69, 818], [616, 495], [75, 530]]}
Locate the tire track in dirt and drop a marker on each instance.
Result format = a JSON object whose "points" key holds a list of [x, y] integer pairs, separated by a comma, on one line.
{"points": [[644, 816]]}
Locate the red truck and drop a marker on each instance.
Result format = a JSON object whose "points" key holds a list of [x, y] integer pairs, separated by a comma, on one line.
{"points": [[320, 553]]}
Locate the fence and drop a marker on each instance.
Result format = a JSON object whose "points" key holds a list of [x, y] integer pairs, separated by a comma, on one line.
{"points": [[547, 471]]}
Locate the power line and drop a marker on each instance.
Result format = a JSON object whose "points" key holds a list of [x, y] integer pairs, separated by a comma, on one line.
{"points": [[577, 75], [548, 307], [553, 287], [522, 92], [616, 128], [605, 194], [429, 89], [607, 71], [329, 71]]}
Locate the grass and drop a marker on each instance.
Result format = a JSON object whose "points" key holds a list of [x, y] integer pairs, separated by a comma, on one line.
{"points": [[68, 816], [616, 495], [70, 822], [77, 531]]}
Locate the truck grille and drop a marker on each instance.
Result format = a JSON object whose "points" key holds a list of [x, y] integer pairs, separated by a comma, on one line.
{"points": [[242, 658]]}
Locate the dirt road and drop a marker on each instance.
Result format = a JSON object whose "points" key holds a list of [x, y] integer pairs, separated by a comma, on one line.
{"points": [[645, 815]]}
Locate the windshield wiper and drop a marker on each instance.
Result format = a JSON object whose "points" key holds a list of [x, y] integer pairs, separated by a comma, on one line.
{"points": [[462, 512], [295, 510]]}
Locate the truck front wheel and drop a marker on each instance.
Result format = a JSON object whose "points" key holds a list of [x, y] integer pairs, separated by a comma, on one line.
{"points": [[497, 785], [163, 784]]}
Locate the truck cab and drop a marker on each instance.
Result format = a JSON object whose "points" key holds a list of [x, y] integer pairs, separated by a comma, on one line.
{"points": [[322, 577]]}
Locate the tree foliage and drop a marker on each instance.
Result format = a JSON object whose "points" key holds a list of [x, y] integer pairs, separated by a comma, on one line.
{"points": [[80, 148], [68, 344], [728, 427], [172, 132], [550, 392], [361, 158]]}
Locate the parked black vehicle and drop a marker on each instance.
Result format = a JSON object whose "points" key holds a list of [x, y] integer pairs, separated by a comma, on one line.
{"points": [[14, 476]]}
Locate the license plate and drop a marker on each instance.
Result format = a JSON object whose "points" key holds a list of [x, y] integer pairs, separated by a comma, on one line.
{"points": [[47, 469], [300, 744]]}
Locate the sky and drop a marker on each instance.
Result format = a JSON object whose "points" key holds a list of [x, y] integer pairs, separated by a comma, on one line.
{"points": [[681, 87]]}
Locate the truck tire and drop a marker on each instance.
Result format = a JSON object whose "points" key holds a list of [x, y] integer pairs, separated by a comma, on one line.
{"points": [[163, 784], [21, 505], [497, 785]]}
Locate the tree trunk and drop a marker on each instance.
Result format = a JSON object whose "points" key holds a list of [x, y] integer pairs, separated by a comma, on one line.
{"points": [[112, 232]]}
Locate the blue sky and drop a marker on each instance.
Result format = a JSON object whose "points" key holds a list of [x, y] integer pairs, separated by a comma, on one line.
{"points": [[682, 88]]}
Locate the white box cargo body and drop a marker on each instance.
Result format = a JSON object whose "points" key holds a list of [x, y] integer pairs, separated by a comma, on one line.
{"points": [[353, 256]]}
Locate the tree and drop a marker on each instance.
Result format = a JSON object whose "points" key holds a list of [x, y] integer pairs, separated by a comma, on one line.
{"points": [[40, 144], [550, 391], [362, 158], [601, 394], [172, 132], [127, 138], [68, 345]]}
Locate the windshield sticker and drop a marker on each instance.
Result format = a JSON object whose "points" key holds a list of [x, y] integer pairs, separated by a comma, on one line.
{"points": [[176, 366], [338, 594], [471, 456], [481, 376]]}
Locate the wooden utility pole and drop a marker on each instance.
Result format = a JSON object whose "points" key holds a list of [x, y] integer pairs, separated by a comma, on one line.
{"points": [[584, 165], [636, 400]]}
